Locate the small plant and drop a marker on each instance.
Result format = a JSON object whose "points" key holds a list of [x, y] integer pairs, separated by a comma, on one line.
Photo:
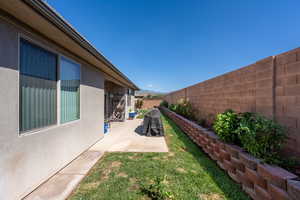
{"points": [[184, 108], [156, 190], [173, 107], [164, 103], [261, 137], [141, 114], [225, 126]]}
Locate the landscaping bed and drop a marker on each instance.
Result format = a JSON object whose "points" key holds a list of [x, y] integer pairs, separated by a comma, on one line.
{"points": [[259, 180], [184, 173], [141, 114]]}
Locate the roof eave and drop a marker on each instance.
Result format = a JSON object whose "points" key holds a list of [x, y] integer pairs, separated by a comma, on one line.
{"points": [[51, 15]]}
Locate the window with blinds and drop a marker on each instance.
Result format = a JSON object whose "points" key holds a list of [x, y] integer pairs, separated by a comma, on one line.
{"points": [[70, 90], [38, 87]]}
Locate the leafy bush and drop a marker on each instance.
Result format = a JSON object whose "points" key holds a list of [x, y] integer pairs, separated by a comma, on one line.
{"points": [[226, 125], [173, 107], [261, 137], [164, 104], [184, 108]]}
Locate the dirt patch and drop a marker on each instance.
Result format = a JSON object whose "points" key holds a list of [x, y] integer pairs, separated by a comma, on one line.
{"points": [[132, 157], [179, 169], [122, 174], [165, 181], [134, 187], [183, 149], [210, 197], [90, 186], [132, 180], [151, 181], [171, 154], [107, 171], [116, 164], [156, 158]]}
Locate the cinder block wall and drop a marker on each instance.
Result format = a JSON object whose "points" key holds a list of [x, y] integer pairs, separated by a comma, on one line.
{"points": [[287, 96], [150, 103], [270, 86]]}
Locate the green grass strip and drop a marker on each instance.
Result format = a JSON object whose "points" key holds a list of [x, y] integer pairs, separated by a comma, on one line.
{"points": [[185, 172]]}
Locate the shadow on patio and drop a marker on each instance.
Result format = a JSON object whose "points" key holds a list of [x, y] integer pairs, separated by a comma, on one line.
{"points": [[127, 137]]}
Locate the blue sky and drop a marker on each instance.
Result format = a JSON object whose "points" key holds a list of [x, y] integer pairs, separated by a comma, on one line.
{"points": [[165, 45]]}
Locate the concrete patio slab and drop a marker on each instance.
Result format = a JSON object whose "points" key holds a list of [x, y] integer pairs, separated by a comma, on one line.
{"points": [[127, 137]]}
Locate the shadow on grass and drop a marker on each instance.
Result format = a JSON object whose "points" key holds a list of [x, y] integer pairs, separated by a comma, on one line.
{"points": [[231, 189]]}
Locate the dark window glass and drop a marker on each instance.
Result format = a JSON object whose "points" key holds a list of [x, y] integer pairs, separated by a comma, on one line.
{"points": [[38, 87]]}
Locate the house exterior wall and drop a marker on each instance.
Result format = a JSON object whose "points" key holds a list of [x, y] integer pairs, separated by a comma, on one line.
{"points": [[270, 86], [29, 159]]}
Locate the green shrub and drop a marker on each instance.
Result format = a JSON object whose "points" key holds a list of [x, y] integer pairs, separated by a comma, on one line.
{"points": [[226, 125], [164, 104], [173, 107], [261, 137], [184, 108]]}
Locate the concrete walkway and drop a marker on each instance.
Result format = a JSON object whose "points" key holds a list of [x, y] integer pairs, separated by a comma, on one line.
{"points": [[124, 137]]}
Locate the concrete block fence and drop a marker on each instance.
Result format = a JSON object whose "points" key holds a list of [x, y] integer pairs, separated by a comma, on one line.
{"points": [[260, 181], [270, 86], [150, 103]]}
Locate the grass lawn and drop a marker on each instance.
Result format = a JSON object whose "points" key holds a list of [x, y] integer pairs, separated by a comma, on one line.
{"points": [[183, 173]]}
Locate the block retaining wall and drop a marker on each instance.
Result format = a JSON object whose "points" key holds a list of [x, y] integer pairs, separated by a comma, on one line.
{"points": [[260, 181]]}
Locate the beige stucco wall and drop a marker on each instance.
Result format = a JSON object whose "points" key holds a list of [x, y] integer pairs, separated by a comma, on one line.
{"points": [[28, 160]]}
